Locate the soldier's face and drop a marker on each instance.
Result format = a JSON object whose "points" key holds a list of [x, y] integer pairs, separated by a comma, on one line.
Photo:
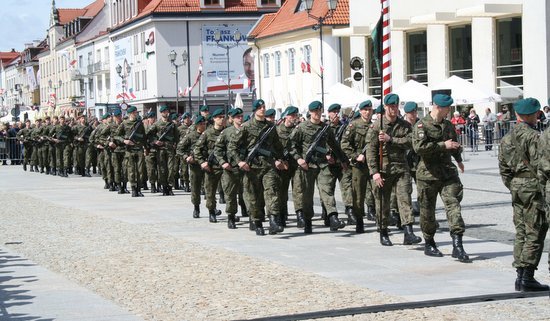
{"points": [[392, 110], [219, 120], [238, 120], [366, 113], [334, 116], [316, 114], [260, 111], [62, 121]]}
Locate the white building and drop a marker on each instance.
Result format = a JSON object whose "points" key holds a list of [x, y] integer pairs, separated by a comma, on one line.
{"points": [[501, 46]]}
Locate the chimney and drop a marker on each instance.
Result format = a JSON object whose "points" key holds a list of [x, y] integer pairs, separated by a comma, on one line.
{"points": [[12, 49]]}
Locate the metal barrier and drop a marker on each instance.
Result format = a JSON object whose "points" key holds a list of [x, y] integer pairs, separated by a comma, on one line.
{"points": [[10, 150]]}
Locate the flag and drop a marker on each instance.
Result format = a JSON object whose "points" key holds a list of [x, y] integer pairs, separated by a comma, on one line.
{"points": [[187, 91], [119, 96], [131, 90], [125, 95], [321, 67], [376, 36], [306, 67]]}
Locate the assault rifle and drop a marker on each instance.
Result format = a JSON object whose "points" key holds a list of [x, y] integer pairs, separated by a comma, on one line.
{"points": [[257, 149], [342, 128], [86, 132], [314, 147], [165, 131], [134, 130]]}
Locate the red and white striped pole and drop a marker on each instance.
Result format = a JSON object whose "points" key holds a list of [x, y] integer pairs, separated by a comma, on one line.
{"points": [[386, 48]]}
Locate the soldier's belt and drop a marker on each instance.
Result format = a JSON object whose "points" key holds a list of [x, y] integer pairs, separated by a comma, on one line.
{"points": [[524, 175]]}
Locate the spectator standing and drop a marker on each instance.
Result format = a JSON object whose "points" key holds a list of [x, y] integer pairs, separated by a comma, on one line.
{"points": [[459, 122], [472, 128], [489, 121]]}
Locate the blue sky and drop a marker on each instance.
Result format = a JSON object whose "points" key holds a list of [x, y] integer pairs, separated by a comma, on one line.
{"points": [[23, 21]]}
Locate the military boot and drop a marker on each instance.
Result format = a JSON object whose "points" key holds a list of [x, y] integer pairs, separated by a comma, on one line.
{"points": [[176, 184], [371, 213], [351, 217], [212, 216], [54, 171], [139, 193], [153, 188], [113, 188], [32, 169], [300, 219], [528, 282], [308, 226], [519, 273], [409, 238], [48, 170], [25, 167], [36, 168], [170, 192], [231, 222], [385, 238], [164, 190], [125, 187], [120, 188], [274, 226], [222, 198], [324, 215], [64, 173], [458, 250], [259, 228], [94, 170], [42, 170], [197, 212], [106, 186], [87, 173], [251, 225], [335, 222], [430, 249], [359, 225], [134, 191], [145, 187]]}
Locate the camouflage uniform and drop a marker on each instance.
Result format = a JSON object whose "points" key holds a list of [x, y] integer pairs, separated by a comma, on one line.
{"points": [[35, 138], [185, 149], [117, 159], [133, 152], [24, 136], [81, 142], [284, 133], [184, 168], [168, 131], [63, 134]]}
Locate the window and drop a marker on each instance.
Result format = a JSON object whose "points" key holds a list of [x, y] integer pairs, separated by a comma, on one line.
{"points": [[98, 55], [91, 88], [269, 2], [107, 84], [460, 51], [80, 61], [144, 80], [277, 63], [99, 86], [301, 6], [307, 54], [417, 52], [106, 56], [211, 2], [509, 59], [142, 42], [266, 65], [291, 61], [136, 48], [136, 80]]}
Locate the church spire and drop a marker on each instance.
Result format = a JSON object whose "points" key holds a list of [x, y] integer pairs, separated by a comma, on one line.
{"points": [[54, 17]]}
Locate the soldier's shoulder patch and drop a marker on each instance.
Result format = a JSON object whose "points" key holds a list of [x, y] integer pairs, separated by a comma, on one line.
{"points": [[419, 125], [421, 134], [347, 132]]}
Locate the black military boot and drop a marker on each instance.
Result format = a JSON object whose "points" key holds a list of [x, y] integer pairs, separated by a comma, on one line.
{"points": [[25, 167], [222, 198], [324, 215], [385, 238], [164, 190], [335, 223], [139, 193], [153, 188], [87, 173], [300, 219], [32, 169], [528, 282], [430, 249], [125, 187], [218, 212], [145, 187], [197, 212], [371, 213], [107, 185], [359, 225], [458, 250], [274, 226], [519, 273], [231, 221], [113, 187], [409, 238], [120, 188], [134, 191], [41, 170], [308, 226], [36, 169], [70, 170], [64, 173], [176, 184], [351, 217], [54, 171], [259, 228], [251, 225], [170, 192], [94, 170], [212, 216], [47, 170]]}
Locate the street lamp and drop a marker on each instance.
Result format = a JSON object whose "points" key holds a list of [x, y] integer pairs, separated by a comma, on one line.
{"points": [[123, 76], [331, 4], [237, 37], [185, 57], [50, 85]]}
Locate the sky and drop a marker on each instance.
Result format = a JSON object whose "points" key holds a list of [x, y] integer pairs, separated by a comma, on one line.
{"points": [[22, 21]]}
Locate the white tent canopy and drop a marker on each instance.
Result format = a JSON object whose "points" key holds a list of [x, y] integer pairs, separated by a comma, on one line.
{"points": [[465, 93], [412, 90], [346, 96]]}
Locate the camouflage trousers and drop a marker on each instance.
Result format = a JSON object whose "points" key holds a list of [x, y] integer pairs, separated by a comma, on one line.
{"points": [[184, 170], [402, 185], [52, 156], [337, 173], [44, 155], [80, 155], [59, 153], [232, 187], [133, 168], [321, 175], [197, 178], [163, 168], [360, 188], [151, 166], [286, 179], [529, 220], [211, 182], [117, 160], [91, 156], [27, 153], [261, 189], [451, 195]]}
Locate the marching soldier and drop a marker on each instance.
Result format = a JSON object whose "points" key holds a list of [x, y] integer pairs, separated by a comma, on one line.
{"points": [[353, 144], [52, 152], [309, 143], [284, 130], [435, 141], [117, 153], [257, 150], [518, 164], [151, 157], [411, 116], [35, 138], [394, 134], [24, 136], [45, 146], [184, 168], [63, 135], [82, 134], [544, 171], [101, 143], [91, 151]]}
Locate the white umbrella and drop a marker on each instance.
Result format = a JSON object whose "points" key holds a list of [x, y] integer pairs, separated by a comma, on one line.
{"points": [[412, 90], [238, 101], [346, 96], [465, 93]]}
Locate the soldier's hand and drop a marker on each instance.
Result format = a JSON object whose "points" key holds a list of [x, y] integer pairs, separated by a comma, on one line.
{"points": [[303, 164], [226, 166], [80, 139], [112, 145], [461, 167], [450, 144], [360, 158], [205, 166], [378, 180], [244, 166], [383, 137], [159, 143], [330, 159], [190, 159], [99, 146], [129, 142], [279, 165]]}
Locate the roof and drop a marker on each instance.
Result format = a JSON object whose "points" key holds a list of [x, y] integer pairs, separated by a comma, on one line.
{"points": [[264, 21], [7, 56], [287, 19], [67, 15]]}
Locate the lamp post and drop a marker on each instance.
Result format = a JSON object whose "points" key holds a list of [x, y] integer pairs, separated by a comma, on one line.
{"points": [[123, 76], [237, 37], [331, 4], [50, 84], [173, 56]]}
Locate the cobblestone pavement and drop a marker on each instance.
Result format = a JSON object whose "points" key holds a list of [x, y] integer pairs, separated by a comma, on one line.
{"points": [[150, 258]]}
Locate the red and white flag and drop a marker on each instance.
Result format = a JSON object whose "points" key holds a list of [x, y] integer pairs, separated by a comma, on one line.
{"points": [[306, 67]]}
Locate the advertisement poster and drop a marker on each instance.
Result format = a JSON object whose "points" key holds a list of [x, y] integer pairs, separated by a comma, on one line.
{"points": [[241, 61], [123, 54]]}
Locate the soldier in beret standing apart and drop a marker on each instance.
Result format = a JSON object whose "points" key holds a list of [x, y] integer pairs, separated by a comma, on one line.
{"points": [[518, 163], [131, 133], [185, 149], [435, 141], [261, 180], [394, 134], [310, 166]]}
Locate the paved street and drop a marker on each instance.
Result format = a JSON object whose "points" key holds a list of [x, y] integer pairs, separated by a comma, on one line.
{"points": [[71, 250]]}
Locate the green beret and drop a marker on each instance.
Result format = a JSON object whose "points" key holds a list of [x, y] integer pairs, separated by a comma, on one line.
{"points": [[105, 116], [365, 104], [199, 119], [163, 108], [270, 112], [139, 118], [151, 114], [235, 112], [217, 112], [334, 107], [291, 110], [356, 115], [186, 115], [204, 108], [527, 106], [380, 109], [117, 112], [391, 99], [442, 100], [196, 114], [247, 118], [315, 105], [131, 109], [257, 103], [173, 116], [410, 106]]}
